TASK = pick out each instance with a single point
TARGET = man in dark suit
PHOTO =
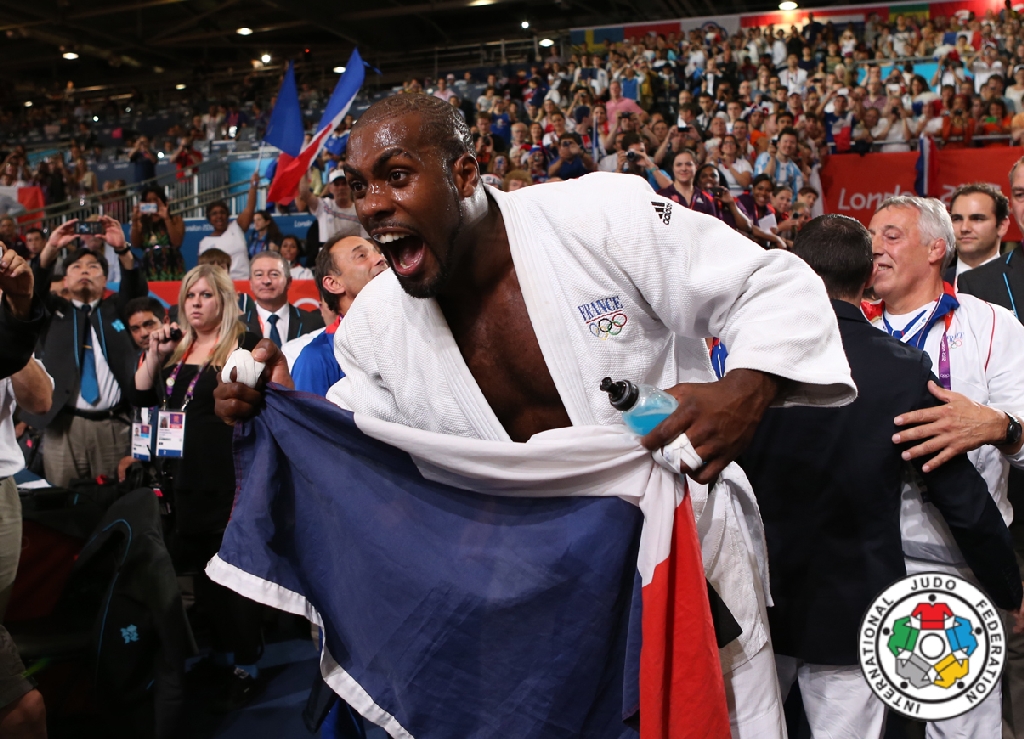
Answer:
(828, 482)
(272, 316)
(981, 217)
(88, 351)
(1001, 282)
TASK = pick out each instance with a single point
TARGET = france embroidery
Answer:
(604, 317)
(664, 211)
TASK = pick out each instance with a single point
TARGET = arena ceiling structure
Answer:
(146, 42)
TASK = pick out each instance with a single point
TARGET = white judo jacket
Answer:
(986, 363)
(617, 282)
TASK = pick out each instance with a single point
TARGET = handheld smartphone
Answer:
(718, 191)
(148, 208)
(89, 228)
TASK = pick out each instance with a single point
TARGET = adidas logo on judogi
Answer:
(664, 211)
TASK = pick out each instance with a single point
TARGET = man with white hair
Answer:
(977, 350)
(272, 316)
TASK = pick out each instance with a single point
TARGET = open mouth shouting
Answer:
(405, 250)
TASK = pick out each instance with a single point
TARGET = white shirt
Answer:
(110, 391)
(962, 266)
(300, 273)
(12, 460)
(986, 363)
(292, 349)
(232, 243)
(740, 165)
(794, 81)
(334, 219)
(282, 324)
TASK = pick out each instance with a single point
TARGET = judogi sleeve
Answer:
(704, 279)
(361, 389)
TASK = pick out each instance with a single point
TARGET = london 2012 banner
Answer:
(855, 185)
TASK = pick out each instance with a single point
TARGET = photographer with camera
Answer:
(958, 127)
(572, 161)
(485, 143)
(159, 235)
(633, 159)
(88, 351)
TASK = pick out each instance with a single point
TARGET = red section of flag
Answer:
(32, 199)
(679, 656)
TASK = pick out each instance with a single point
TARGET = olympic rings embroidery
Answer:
(606, 326)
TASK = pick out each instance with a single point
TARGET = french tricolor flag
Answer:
(291, 169)
(472, 588)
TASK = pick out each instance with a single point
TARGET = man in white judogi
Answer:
(503, 312)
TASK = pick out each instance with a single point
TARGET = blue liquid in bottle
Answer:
(643, 406)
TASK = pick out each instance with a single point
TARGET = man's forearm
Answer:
(32, 388)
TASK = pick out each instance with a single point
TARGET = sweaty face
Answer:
(141, 325)
(407, 200)
(267, 280)
(974, 223)
(902, 261)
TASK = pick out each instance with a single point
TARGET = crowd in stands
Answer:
(736, 127)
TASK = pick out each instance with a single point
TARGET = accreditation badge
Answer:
(170, 433)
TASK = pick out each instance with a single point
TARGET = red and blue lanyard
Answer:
(173, 378)
(943, 310)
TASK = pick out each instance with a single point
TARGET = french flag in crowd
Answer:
(927, 166)
(477, 588)
(290, 169)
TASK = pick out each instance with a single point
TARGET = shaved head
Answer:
(440, 123)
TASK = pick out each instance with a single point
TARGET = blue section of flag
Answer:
(344, 92)
(460, 614)
(337, 144)
(285, 129)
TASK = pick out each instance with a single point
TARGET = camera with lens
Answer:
(631, 157)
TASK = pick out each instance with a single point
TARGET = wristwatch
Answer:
(127, 247)
(1013, 431)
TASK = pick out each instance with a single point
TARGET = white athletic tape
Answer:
(676, 454)
(249, 370)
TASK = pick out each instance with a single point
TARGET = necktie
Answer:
(275, 335)
(90, 388)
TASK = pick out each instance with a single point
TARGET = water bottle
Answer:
(643, 406)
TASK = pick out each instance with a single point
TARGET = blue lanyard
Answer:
(1006, 281)
(900, 334)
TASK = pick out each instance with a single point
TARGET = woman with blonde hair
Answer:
(178, 375)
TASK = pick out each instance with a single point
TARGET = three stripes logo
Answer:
(664, 211)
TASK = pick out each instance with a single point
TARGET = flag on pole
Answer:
(291, 169)
(285, 130)
(479, 588)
